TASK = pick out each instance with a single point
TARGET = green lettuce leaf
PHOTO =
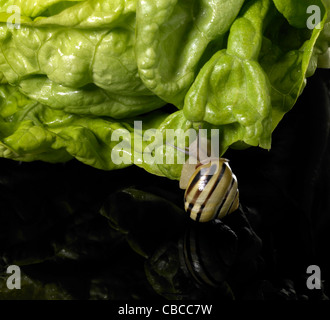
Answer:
(232, 88)
(31, 131)
(248, 87)
(173, 36)
(295, 11)
(84, 55)
(34, 8)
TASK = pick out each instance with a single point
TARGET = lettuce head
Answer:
(77, 75)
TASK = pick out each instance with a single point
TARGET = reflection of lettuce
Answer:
(75, 71)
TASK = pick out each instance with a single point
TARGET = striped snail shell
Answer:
(212, 191)
(211, 188)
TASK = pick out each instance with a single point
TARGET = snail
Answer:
(211, 188)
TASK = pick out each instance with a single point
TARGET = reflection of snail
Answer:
(206, 253)
(211, 187)
(196, 264)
